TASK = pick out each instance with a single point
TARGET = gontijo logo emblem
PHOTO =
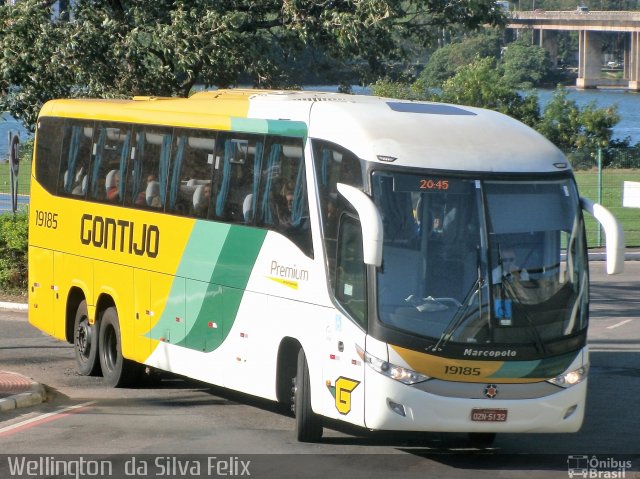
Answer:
(342, 393)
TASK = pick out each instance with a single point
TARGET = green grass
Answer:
(24, 177)
(612, 190)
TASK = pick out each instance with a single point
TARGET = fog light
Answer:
(397, 408)
(570, 411)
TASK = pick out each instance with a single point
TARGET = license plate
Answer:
(489, 415)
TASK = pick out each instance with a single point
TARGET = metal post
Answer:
(14, 163)
(599, 241)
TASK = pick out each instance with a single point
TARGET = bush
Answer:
(13, 251)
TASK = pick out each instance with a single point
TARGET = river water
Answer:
(628, 104)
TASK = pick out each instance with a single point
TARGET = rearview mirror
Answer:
(614, 236)
(372, 233)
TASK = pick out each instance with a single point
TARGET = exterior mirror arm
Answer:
(370, 220)
(614, 236)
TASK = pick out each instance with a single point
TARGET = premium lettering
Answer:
(289, 272)
(120, 235)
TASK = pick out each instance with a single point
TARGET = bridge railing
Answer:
(591, 16)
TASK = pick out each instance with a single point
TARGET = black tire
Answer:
(308, 424)
(85, 342)
(481, 439)
(116, 370)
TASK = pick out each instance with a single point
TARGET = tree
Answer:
(525, 65)
(573, 129)
(444, 62)
(165, 47)
(481, 84)
(578, 132)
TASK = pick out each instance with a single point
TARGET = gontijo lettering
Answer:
(120, 235)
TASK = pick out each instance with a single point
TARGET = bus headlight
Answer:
(571, 378)
(404, 375)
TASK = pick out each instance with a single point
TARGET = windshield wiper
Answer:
(462, 314)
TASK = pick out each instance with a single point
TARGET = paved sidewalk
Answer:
(18, 391)
(9, 306)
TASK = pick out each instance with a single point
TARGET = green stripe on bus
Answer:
(296, 129)
(210, 301)
(539, 368)
(552, 367)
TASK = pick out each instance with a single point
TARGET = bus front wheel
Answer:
(85, 342)
(308, 424)
(116, 370)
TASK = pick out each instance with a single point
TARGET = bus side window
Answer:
(282, 204)
(75, 158)
(334, 164)
(236, 159)
(112, 143)
(350, 282)
(148, 176)
(192, 163)
(48, 145)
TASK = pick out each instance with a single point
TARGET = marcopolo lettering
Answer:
(120, 235)
(479, 353)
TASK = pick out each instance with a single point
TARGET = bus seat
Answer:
(247, 207)
(110, 181)
(153, 194)
(81, 187)
(196, 182)
(65, 180)
(198, 195)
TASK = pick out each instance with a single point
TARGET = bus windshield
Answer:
(477, 261)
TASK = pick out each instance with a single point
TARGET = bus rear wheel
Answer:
(308, 424)
(117, 371)
(85, 342)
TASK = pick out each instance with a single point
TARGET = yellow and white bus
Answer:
(407, 266)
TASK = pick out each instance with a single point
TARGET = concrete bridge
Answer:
(591, 26)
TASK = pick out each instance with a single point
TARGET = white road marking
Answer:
(44, 418)
(617, 325)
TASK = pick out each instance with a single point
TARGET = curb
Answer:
(13, 306)
(35, 394)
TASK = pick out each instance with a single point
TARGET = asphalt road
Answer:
(160, 422)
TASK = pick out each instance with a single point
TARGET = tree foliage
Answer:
(578, 131)
(525, 65)
(444, 62)
(165, 47)
(572, 128)
(13, 251)
(481, 84)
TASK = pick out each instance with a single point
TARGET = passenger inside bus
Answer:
(112, 184)
(153, 195)
(201, 199)
(508, 267)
